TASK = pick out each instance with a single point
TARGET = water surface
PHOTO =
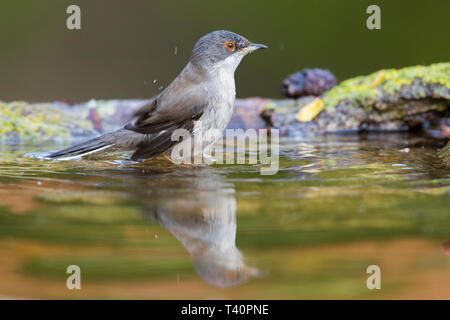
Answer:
(153, 230)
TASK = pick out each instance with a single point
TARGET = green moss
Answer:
(359, 90)
(22, 120)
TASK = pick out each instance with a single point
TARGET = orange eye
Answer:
(230, 46)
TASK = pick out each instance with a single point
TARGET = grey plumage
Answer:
(201, 97)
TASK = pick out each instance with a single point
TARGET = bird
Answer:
(199, 99)
(204, 222)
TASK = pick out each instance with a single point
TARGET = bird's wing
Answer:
(169, 109)
(163, 114)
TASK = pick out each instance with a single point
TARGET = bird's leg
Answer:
(168, 159)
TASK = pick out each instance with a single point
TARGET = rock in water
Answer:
(308, 82)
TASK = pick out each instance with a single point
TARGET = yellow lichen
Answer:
(381, 76)
(363, 90)
(310, 111)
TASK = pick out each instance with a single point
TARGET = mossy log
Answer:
(20, 121)
(386, 100)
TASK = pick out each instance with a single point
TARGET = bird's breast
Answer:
(223, 94)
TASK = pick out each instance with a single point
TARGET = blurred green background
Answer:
(124, 45)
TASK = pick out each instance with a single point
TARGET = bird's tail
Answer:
(106, 141)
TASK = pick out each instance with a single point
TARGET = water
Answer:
(153, 230)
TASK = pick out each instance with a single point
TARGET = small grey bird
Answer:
(201, 97)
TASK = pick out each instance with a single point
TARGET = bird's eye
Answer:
(230, 46)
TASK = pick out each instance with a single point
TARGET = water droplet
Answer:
(176, 50)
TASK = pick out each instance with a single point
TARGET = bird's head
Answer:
(224, 49)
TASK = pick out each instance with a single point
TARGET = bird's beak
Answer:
(253, 47)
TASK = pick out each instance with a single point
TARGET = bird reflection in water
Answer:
(200, 211)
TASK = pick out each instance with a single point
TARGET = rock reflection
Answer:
(201, 214)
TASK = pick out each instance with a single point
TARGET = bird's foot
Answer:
(168, 159)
